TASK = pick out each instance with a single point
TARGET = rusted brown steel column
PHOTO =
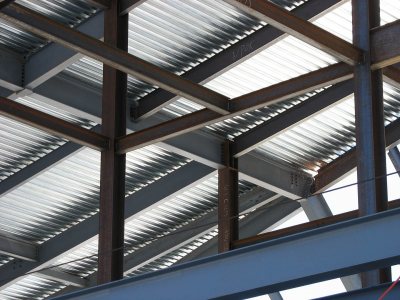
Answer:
(228, 190)
(370, 132)
(112, 173)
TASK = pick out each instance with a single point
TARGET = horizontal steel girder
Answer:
(18, 249)
(330, 252)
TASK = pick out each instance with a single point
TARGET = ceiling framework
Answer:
(185, 135)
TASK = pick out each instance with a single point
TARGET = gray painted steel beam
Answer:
(394, 156)
(16, 248)
(139, 202)
(100, 3)
(275, 296)
(128, 5)
(4, 92)
(38, 167)
(282, 180)
(11, 70)
(315, 207)
(54, 58)
(327, 253)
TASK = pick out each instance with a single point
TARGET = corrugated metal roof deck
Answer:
(21, 145)
(63, 202)
(283, 60)
(68, 192)
(159, 221)
(68, 12)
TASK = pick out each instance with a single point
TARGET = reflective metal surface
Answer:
(176, 35)
(21, 145)
(70, 13)
(153, 224)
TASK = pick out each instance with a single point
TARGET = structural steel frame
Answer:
(373, 54)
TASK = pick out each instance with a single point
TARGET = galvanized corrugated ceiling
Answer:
(21, 145)
(67, 193)
(157, 222)
(70, 13)
(285, 59)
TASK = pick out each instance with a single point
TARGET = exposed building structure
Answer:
(139, 136)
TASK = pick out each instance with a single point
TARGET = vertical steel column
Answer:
(370, 133)
(112, 173)
(228, 190)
